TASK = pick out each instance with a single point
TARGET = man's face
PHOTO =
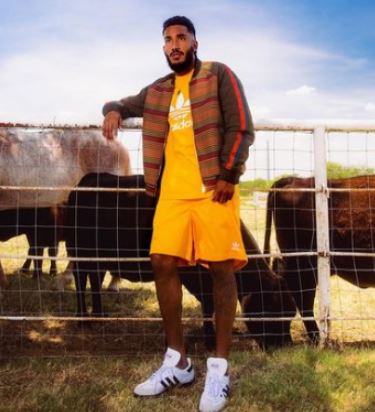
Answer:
(179, 48)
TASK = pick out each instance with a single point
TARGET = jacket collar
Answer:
(198, 65)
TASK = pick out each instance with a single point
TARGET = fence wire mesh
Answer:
(38, 308)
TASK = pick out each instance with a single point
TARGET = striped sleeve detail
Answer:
(203, 102)
(154, 139)
(201, 80)
(162, 89)
(207, 156)
(240, 107)
(156, 112)
(206, 127)
(150, 165)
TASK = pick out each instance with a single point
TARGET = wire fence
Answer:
(320, 227)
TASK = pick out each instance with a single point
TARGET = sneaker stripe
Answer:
(170, 382)
(190, 368)
(176, 381)
(226, 391)
(166, 386)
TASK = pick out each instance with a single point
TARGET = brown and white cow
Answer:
(32, 157)
(53, 158)
(351, 229)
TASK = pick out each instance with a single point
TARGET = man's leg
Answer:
(169, 292)
(225, 301)
(176, 369)
(216, 388)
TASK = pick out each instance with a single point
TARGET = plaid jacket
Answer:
(223, 128)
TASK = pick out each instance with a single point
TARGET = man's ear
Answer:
(195, 45)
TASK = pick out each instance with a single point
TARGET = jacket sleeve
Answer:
(238, 126)
(131, 106)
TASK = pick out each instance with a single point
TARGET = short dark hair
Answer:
(181, 21)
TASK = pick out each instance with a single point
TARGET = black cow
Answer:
(351, 229)
(42, 227)
(119, 224)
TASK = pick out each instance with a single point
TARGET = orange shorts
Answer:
(199, 231)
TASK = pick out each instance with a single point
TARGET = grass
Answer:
(293, 379)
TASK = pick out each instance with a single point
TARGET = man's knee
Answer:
(222, 271)
(163, 265)
(223, 276)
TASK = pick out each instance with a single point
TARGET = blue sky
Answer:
(297, 59)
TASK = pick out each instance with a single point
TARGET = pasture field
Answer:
(54, 365)
(294, 379)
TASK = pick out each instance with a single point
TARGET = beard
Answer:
(185, 65)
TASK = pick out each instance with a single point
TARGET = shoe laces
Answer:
(215, 385)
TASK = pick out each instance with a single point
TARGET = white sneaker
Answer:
(167, 376)
(216, 387)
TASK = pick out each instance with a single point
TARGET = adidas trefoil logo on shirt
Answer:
(180, 114)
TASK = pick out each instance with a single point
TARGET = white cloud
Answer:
(370, 107)
(260, 112)
(70, 84)
(301, 91)
(67, 78)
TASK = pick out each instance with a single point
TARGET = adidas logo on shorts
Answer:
(235, 246)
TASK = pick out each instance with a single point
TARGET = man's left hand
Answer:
(223, 191)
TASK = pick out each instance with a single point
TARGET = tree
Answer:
(338, 171)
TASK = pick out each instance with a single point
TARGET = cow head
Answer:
(271, 300)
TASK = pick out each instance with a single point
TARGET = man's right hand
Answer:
(111, 124)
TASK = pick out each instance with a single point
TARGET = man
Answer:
(197, 130)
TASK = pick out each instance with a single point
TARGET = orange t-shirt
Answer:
(181, 176)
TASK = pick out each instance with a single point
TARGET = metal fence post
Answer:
(322, 231)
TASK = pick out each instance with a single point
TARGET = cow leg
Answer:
(114, 285)
(96, 280)
(65, 278)
(302, 282)
(3, 278)
(37, 251)
(27, 264)
(281, 302)
(305, 303)
(80, 278)
(52, 252)
(33, 251)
